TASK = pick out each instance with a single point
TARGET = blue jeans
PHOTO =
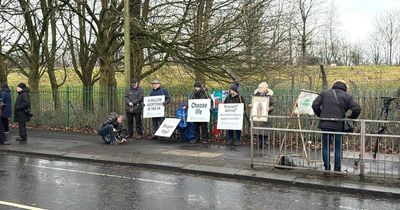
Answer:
(326, 141)
(230, 136)
(107, 132)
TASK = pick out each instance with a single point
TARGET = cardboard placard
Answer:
(167, 127)
(260, 108)
(153, 106)
(230, 116)
(199, 110)
(303, 105)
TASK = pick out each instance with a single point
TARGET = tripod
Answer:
(382, 128)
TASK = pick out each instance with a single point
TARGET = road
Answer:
(38, 183)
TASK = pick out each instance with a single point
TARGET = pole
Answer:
(251, 142)
(127, 44)
(362, 163)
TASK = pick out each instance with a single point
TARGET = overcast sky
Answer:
(357, 16)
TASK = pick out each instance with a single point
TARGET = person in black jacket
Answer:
(133, 102)
(108, 128)
(3, 138)
(157, 90)
(326, 105)
(22, 111)
(200, 93)
(5, 97)
(264, 91)
(234, 97)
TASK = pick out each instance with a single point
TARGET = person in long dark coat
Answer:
(5, 97)
(22, 111)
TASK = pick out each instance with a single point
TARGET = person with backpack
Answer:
(334, 103)
(200, 93)
(264, 91)
(234, 97)
(5, 115)
(157, 90)
(133, 102)
(22, 111)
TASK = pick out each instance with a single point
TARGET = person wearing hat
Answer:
(200, 93)
(234, 97)
(334, 103)
(157, 90)
(22, 111)
(133, 105)
(5, 115)
(264, 91)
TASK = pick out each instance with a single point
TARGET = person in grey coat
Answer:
(334, 103)
(134, 105)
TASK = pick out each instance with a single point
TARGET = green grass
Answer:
(365, 77)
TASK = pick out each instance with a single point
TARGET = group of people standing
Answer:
(22, 112)
(134, 96)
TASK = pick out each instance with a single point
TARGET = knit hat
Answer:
(197, 84)
(156, 82)
(134, 81)
(235, 88)
(21, 85)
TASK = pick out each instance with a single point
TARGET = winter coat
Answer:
(134, 95)
(202, 94)
(269, 93)
(160, 92)
(5, 96)
(325, 106)
(22, 107)
(111, 120)
(235, 99)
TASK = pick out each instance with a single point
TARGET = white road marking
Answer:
(190, 153)
(20, 206)
(100, 174)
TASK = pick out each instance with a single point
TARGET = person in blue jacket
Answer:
(5, 97)
(157, 90)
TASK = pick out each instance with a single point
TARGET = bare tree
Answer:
(388, 27)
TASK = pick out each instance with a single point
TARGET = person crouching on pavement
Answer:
(109, 127)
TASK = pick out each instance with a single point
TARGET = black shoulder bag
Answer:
(348, 124)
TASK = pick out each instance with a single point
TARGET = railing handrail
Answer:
(332, 119)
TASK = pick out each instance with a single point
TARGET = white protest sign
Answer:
(260, 108)
(153, 106)
(199, 110)
(230, 116)
(303, 105)
(168, 127)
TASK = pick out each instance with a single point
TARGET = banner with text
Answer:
(153, 106)
(199, 110)
(230, 116)
(167, 127)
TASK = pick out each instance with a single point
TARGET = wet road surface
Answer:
(58, 184)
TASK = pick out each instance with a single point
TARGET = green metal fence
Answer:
(86, 108)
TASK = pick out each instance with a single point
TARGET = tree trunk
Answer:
(324, 77)
(3, 69)
(137, 38)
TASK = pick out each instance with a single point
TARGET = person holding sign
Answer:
(200, 93)
(234, 97)
(157, 90)
(263, 91)
(133, 102)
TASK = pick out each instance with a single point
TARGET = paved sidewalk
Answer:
(219, 160)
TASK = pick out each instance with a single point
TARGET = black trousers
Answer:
(22, 130)
(157, 121)
(2, 134)
(203, 126)
(6, 124)
(137, 117)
